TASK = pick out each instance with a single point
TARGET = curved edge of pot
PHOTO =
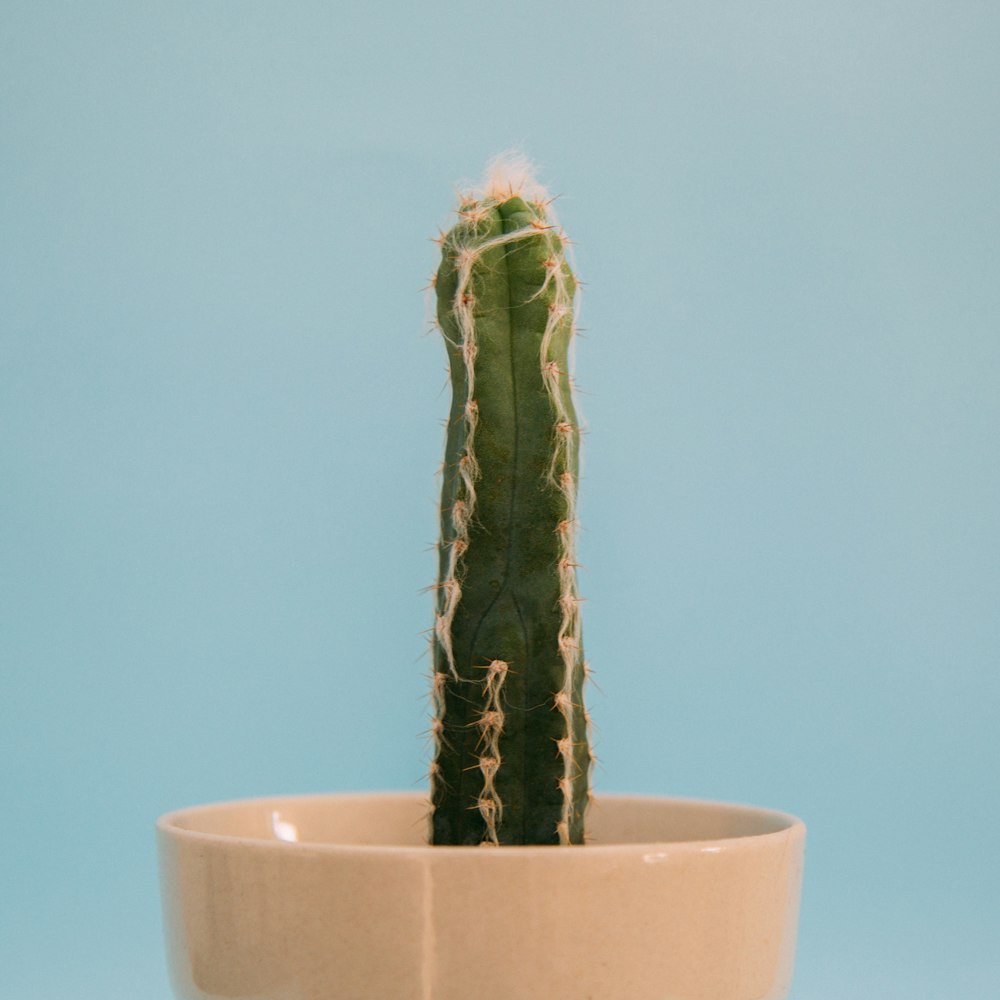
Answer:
(339, 897)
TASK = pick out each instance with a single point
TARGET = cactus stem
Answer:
(463, 303)
(524, 297)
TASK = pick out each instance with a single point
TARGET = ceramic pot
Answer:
(339, 897)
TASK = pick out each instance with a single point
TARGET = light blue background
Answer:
(219, 429)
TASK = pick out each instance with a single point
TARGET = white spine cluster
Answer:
(438, 682)
(566, 438)
(490, 725)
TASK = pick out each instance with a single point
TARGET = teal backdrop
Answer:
(219, 430)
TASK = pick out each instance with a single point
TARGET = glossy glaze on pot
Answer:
(339, 898)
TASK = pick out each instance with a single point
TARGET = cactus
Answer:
(512, 753)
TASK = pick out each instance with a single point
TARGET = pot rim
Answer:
(168, 825)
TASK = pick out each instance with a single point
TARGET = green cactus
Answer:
(512, 751)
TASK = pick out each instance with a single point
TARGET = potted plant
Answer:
(511, 884)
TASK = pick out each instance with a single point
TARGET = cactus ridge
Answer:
(512, 754)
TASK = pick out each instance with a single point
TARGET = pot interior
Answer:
(401, 820)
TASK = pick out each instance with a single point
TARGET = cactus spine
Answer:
(512, 754)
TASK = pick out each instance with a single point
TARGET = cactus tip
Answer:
(511, 173)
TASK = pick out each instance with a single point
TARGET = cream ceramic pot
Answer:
(339, 897)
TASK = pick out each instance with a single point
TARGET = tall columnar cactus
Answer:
(512, 754)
